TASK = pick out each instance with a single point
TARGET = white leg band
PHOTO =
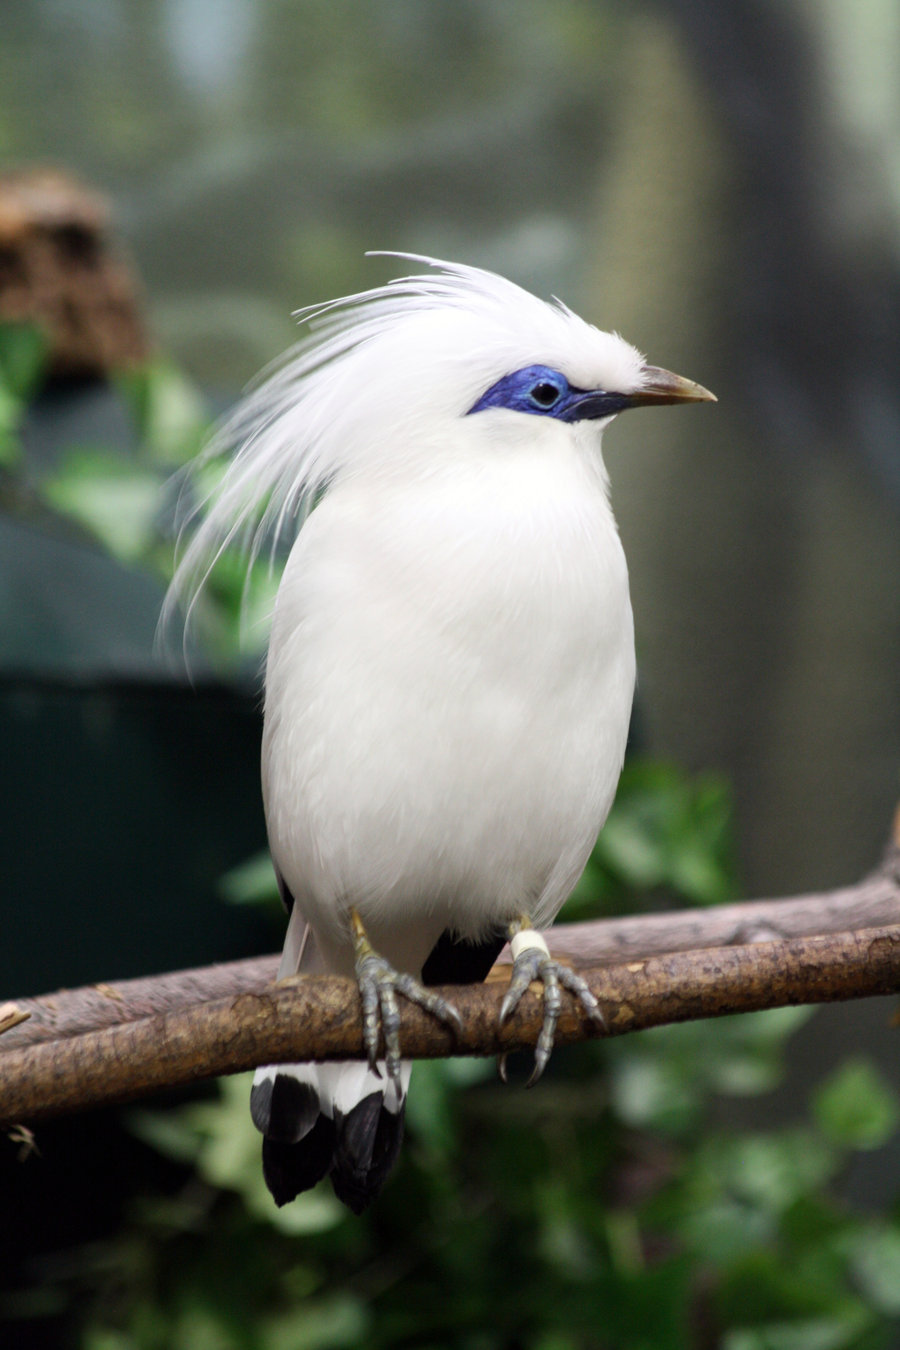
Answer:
(526, 938)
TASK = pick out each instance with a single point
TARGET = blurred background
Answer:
(719, 183)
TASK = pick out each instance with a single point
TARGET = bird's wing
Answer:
(300, 955)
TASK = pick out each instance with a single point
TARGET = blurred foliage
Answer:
(131, 503)
(607, 1210)
(667, 832)
(23, 357)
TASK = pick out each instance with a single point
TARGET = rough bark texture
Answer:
(873, 902)
(318, 1018)
(116, 1043)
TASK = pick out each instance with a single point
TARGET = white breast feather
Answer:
(448, 687)
(451, 664)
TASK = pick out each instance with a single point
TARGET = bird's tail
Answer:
(343, 1120)
(339, 1120)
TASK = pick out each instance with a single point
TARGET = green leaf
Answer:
(234, 606)
(856, 1107)
(815, 1333)
(430, 1110)
(11, 413)
(875, 1261)
(24, 351)
(96, 1338)
(665, 830)
(664, 1080)
(23, 359)
(170, 415)
(770, 1171)
(108, 496)
(251, 882)
(725, 1230)
(744, 1055)
(653, 1093)
(328, 1323)
(170, 1133)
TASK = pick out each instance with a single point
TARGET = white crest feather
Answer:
(363, 386)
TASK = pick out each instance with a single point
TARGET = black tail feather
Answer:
(368, 1142)
(284, 1108)
(289, 1168)
(358, 1148)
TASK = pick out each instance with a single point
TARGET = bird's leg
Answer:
(532, 961)
(379, 983)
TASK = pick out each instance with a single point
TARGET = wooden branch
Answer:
(317, 1017)
(11, 1015)
(872, 902)
(113, 1044)
(72, 1012)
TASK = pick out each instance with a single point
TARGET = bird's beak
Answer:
(661, 386)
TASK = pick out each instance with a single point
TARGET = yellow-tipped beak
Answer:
(661, 386)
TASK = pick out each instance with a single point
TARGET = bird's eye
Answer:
(544, 394)
(534, 389)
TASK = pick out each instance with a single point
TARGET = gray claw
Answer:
(390, 1028)
(367, 976)
(549, 974)
(579, 987)
(526, 968)
(424, 998)
(379, 983)
(530, 965)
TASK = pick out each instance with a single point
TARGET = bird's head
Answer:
(460, 341)
(383, 380)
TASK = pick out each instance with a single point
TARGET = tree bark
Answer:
(317, 1017)
(871, 903)
(114, 1043)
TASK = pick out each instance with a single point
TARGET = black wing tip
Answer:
(261, 1103)
(368, 1143)
(284, 1108)
(290, 1168)
(301, 1144)
(357, 1199)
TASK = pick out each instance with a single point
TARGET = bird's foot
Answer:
(379, 984)
(532, 961)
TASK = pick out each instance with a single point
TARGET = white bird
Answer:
(450, 669)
